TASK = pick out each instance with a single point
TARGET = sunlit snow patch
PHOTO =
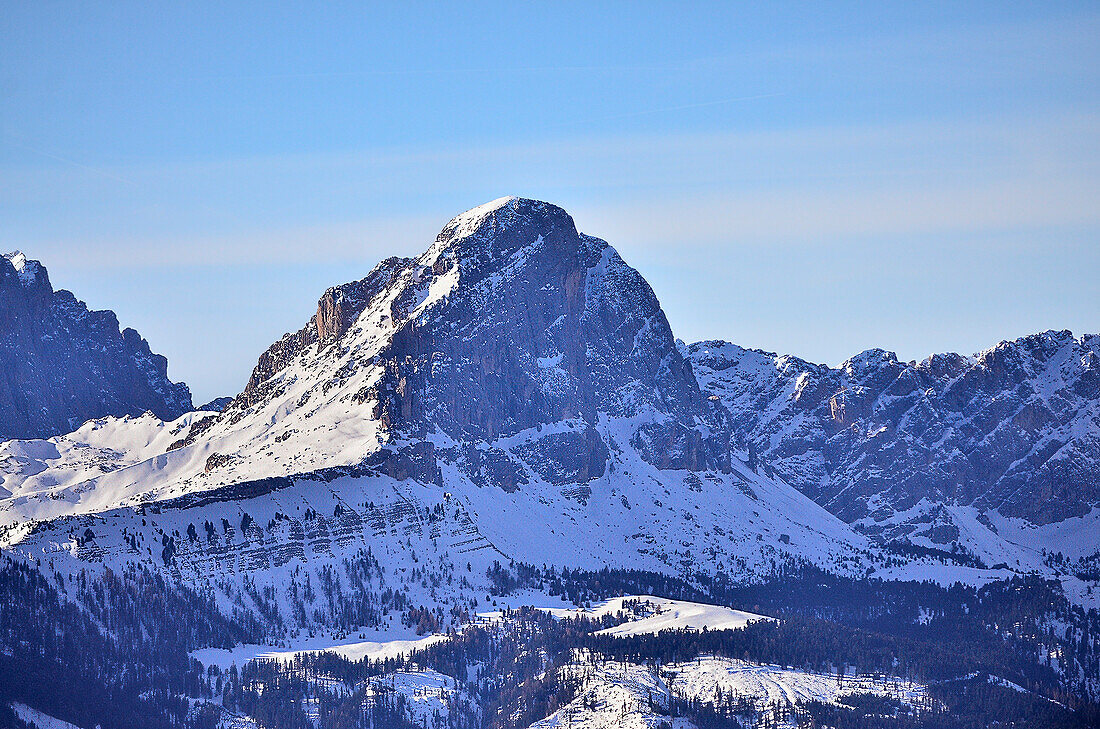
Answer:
(653, 614)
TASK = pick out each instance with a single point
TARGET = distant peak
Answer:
(216, 405)
(869, 358)
(17, 259)
(26, 268)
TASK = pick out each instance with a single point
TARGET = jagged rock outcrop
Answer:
(511, 321)
(541, 324)
(61, 364)
(1015, 428)
(337, 309)
(216, 405)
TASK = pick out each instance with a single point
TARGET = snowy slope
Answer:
(649, 614)
(634, 695)
(354, 650)
(437, 545)
(56, 464)
(38, 719)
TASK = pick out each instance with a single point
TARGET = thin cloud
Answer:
(679, 107)
(794, 186)
(21, 143)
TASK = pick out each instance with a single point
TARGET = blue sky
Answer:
(808, 178)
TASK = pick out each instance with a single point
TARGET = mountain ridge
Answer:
(518, 374)
(1026, 409)
(63, 364)
(507, 420)
(519, 359)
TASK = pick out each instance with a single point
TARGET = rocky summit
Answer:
(62, 364)
(510, 321)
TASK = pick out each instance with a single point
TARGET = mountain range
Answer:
(519, 355)
(515, 398)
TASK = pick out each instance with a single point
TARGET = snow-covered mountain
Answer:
(954, 450)
(515, 391)
(524, 371)
(61, 364)
(523, 374)
(510, 321)
(490, 425)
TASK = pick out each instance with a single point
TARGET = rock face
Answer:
(539, 324)
(61, 364)
(1014, 429)
(511, 321)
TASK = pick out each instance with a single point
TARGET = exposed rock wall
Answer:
(1015, 428)
(62, 364)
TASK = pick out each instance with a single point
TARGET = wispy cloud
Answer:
(749, 188)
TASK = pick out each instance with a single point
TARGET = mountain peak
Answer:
(25, 268)
(502, 228)
(66, 364)
(503, 211)
(475, 215)
(511, 322)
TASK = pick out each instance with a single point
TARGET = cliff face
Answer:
(1015, 428)
(61, 364)
(533, 323)
(510, 321)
